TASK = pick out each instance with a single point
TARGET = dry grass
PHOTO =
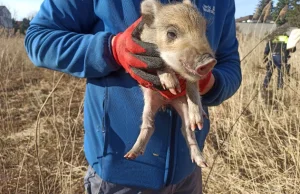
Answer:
(283, 12)
(261, 154)
(58, 130)
(267, 11)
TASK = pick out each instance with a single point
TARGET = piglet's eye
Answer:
(171, 35)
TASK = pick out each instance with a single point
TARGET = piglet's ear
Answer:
(149, 9)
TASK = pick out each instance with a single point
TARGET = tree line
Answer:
(20, 26)
(285, 11)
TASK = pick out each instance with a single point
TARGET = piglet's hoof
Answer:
(131, 155)
(197, 157)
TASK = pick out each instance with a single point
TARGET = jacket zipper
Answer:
(172, 163)
(104, 127)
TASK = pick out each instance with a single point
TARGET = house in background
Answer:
(5, 18)
(245, 19)
(249, 26)
(250, 19)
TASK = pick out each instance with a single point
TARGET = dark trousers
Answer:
(271, 65)
(95, 185)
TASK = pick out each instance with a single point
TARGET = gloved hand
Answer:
(140, 59)
(203, 83)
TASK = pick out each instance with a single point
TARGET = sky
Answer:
(22, 8)
(26, 8)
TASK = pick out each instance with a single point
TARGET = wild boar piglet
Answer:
(179, 31)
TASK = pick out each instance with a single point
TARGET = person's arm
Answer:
(227, 72)
(59, 39)
(267, 49)
(266, 52)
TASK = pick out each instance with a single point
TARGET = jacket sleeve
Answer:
(60, 38)
(227, 71)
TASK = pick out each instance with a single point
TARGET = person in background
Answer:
(276, 55)
(75, 37)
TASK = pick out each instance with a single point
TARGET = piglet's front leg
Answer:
(195, 108)
(169, 80)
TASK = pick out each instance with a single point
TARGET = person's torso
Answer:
(114, 105)
(278, 46)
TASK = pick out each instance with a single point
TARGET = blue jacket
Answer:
(73, 36)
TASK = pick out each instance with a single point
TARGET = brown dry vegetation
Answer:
(29, 116)
(262, 153)
(42, 109)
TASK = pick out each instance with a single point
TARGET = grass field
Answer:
(42, 110)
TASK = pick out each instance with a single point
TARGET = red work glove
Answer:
(202, 85)
(140, 59)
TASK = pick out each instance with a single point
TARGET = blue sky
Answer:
(25, 8)
(22, 8)
(246, 7)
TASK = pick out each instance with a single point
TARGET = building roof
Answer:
(245, 18)
(5, 21)
(250, 17)
(3, 7)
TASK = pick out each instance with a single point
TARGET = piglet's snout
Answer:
(205, 63)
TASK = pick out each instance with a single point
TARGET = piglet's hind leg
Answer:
(152, 103)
